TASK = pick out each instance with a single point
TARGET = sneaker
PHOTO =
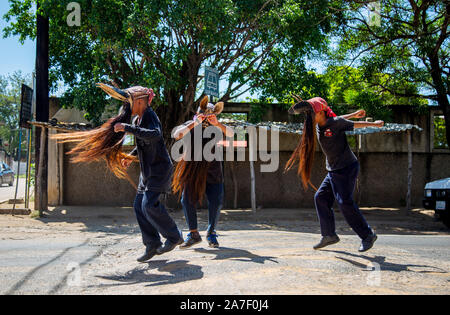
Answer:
(191, 239)
(149, 253)
(327, 241)
(367, 243)
(212, 240)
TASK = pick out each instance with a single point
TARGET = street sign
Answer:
(26, 106)
(211, 82)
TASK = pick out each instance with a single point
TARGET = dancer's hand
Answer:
(360, 113)
(119, 127)
(126, 162)
(200, 119)
(213, 120)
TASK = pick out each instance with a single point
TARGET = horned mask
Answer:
(128, 95)
(207, 109)
(314, 105)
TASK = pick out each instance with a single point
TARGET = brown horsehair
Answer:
(101, 143)
(304, 152)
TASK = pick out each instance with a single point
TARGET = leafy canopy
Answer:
(164, 44)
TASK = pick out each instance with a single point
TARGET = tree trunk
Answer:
(42, 111)
(441, 91)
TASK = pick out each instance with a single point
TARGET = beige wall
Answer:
(383, 160)
(382, 182)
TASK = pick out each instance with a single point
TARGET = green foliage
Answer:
(404, 54)
(440, 141)
(10, 93)
(350, 89)
(164, 44)
(257, 111)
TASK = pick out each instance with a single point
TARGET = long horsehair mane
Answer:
(190, 176)
(101, 143)
(305, 151)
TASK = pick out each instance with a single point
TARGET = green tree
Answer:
(165, 44)
(401, 46)
(10, 93)
(349, 89)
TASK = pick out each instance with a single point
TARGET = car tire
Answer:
(11, 184)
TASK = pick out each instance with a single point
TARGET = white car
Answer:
(437, 197)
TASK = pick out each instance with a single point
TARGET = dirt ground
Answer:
(84, 250)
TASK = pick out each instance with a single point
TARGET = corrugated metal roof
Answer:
(298, 127)
(63, 126)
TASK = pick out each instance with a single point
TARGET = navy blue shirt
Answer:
(333, 141)
(155, 163)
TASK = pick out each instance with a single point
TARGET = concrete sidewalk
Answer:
(77, 250)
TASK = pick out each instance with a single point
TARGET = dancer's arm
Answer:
(227, 131)
(183, 130)
(362, 124)
(358, 114)
(142, 133)
(139, 132)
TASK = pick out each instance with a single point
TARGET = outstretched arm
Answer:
(362, 124)
(183, 130)
(227, 131)
(358, 114)
(139, 132)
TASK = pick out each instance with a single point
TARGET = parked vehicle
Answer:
(437, 198)
(6, 174)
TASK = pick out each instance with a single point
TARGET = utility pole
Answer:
(42, 112)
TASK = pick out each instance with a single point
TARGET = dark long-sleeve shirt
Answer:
(155, 163)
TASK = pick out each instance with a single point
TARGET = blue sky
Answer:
(13, 55)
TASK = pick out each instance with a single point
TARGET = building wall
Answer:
(382, 181)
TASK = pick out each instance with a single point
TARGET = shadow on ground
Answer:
(122, 220)
(383, 264)
(225, 253)
(179, 271)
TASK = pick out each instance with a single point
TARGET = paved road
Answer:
(7, 192)
(79, 251)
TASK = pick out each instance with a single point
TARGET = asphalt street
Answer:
(7, 192)
(87, 251)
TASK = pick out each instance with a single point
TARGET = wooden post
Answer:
(235, 184)
(252, 157)
(253, 185)
(42, 110)
(409, 178)
(358, 180)
(39, 176)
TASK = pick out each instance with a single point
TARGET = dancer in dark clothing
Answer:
(342, 166)
(195, 179)
(156, 171)
(106, 143)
